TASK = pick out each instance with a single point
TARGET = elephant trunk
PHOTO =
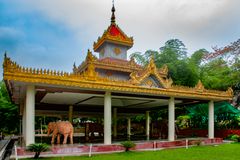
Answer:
(49, 131)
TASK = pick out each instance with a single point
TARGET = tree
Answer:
(230, 55)
(197, 57)
(8, 112)
(235, 73)
(217, 75)
(176, 46)
(183, 73)
(230, 52)
(182, 70)
(143, 58)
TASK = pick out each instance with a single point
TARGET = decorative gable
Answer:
(151, 82)
(115, 31)
(113, 35)
(151, 76)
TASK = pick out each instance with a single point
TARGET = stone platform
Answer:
(78, 149)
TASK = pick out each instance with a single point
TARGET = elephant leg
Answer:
(65, 138)
(71, 138)
(53, 137)
(58, 139)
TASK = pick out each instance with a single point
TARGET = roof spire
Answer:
(113, 15)
(5, 54)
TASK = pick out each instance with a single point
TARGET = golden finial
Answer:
(164, 69)
(230, 91)
(113, 15)
(90, 56)
(74, 65)
(5, 55)
(132, 61)
(199, 86)
(151, 65)
(74, 68)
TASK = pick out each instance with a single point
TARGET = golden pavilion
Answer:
(108, 87)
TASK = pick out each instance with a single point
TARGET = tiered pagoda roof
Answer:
(113, 34)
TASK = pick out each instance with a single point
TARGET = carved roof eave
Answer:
(106, 66)
(91, 80)
(102, 40)
(78, 81)
(128, 66)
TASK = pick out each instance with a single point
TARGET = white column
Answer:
(107, 118)
(30, 115)
(147, 124)
(70, 114)
(129, 128)
(115, 122)
(171, 119)
(211, 119)
(24, 124)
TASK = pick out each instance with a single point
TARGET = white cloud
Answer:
(198, 23)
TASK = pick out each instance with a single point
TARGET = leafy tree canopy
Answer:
(183, 70)
(8, 112)
(176, 46)
(187, 70)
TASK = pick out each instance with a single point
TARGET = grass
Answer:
(221, 152)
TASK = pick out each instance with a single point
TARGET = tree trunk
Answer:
(36, 155)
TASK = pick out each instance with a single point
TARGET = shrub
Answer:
(235, 138)
(229, 136)
(183, 122)
(127, 145)
(38, 148)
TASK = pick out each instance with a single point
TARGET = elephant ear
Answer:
(51, 125)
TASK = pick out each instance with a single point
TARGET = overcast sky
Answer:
(56, 33)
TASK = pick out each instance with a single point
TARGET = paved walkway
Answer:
(3, 145)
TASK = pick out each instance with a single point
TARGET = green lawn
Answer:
(221, 152)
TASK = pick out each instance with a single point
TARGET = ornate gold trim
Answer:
(117, 50)
(151, 69)
(200, 86)
(125, 40)
(129, 66)
(91, 80)
(164, 70)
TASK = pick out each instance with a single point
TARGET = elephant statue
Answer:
(62, 127)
